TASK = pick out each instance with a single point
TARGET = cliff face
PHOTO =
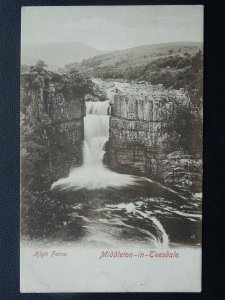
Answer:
(147, 139)
(52, 133)
(52, 128)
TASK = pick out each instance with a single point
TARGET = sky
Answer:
(112, 27)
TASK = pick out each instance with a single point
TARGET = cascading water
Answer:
(96, 133)
(93, 174)
(137, 209)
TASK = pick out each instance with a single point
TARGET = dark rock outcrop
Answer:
(52, 133)
(147, 138)
(52, 129)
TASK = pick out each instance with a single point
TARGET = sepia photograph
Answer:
(111, 126)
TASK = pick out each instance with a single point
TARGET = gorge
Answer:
(100, 171)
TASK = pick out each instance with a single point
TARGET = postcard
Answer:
(111, 148)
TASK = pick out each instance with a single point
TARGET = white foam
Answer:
(93, 174)
(92, 178)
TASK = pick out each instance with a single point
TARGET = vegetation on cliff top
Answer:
(173, 65)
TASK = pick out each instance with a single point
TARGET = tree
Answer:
(40, 67)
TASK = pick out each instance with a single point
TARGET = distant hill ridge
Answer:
(142, 54)
(56, 55)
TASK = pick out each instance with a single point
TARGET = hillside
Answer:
(139, 56)
(56, 55)
(174, 65)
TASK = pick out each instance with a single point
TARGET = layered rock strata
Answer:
(143, 140)
(52, 129)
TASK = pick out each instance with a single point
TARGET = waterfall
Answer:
(93, 174)
(96, 132)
